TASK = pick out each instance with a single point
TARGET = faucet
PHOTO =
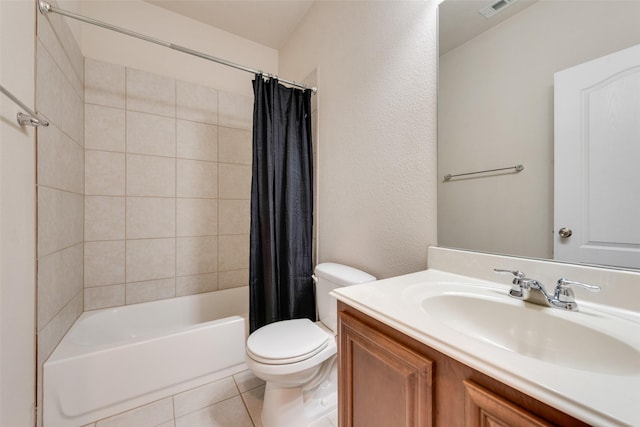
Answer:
(531, 290)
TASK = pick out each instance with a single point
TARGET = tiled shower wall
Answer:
(167, 187)
(60, 185)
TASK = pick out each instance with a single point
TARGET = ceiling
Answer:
(459, 20)
(268, 22)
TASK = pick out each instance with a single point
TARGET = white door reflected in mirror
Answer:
(597, 148)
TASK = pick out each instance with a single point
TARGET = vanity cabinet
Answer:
(387, 379)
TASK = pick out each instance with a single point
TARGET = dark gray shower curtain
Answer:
(280, 284)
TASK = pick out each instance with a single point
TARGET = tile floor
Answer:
(235, 401)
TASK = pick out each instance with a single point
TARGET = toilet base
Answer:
(295, 407)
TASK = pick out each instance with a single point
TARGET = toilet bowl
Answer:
(297, 358)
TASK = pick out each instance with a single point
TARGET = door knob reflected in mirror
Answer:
(565, 232)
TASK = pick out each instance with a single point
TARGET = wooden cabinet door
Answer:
(486, 409)
(382, 382)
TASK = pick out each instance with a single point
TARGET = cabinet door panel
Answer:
(486, 409)
(382, 382)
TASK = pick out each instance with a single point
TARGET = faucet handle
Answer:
(564, 293)
(518, 289)
(517, 273)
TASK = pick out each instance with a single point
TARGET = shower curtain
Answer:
(280, 284)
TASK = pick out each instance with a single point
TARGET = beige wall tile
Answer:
(196, 103)
(151, 134)
(104, 218)
(150, 259)
(51, 31)
(189, 285)
(104, 83)
(71, 48)
(104, 173)
(166, 197)
(48, 84)
(197, 217)
(71, 112)
(197, 179)
(233, 278)
(104, 263)
(233, 252)
(197, 141)
(235, 216)
(51, 334)
(60, 220)
(204, 396)
(234, 181)
(150, 176)
(149, 415)
(151, 93)
(234, 146)
(61, 178)
(60, 278)
(103, 297)
(60, 161)
(235, 111)
(149, 217)
(104, 128)
(196, 255)
(151, 290)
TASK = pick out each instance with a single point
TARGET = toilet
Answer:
(297, 358)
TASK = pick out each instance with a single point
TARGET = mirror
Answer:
(495, 110)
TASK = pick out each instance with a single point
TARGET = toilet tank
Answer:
(329, 276)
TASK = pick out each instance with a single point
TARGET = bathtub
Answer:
(116, 359)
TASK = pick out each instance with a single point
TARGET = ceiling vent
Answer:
(495, 7)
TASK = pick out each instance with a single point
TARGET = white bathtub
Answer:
(116, 359)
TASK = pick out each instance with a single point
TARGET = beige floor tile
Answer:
(333, 417)
(253, 401)
(245, 381)
(228, 413)
(206, 395)
(322, 422)
(153, 414)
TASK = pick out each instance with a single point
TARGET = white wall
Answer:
(496, 110)
(376, 66)
(153, 21)
(17, 218)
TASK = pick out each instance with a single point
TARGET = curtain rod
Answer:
(45, 8)
(30, 119)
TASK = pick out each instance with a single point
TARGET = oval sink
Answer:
(533, 331)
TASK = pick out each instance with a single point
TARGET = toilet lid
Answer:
(287, 341)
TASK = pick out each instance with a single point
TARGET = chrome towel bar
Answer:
(517, 168)
(31, 118)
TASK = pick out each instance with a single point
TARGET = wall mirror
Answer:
(496, 110)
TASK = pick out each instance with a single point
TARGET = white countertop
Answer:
(597, 397)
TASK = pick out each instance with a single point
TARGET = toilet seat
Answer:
(287, 341)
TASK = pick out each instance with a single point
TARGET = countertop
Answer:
(597, 397)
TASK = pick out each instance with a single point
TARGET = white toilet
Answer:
(297, 358)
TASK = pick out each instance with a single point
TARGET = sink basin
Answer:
(539, 332)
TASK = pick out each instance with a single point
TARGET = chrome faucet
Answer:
(533, 291)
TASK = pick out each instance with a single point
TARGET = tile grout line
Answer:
(126, 193)
(218, 193)
(175, 189)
